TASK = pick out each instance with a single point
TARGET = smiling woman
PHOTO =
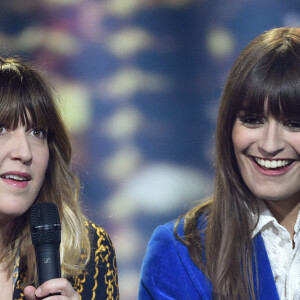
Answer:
(267, 151)
(35, 167)
(244, 241)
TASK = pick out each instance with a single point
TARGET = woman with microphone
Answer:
(35, 167)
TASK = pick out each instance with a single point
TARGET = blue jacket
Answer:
(169, 273)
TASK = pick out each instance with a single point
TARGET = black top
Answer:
(99, 281)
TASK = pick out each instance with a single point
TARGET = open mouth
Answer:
(273, 164)
(15, 177)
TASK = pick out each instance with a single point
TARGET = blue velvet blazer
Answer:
(169, 273)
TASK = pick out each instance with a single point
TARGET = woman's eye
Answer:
(3, 129)
(293, 124)
(37, 133)
(251, 120)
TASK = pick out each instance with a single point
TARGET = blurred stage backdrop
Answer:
(138, 82)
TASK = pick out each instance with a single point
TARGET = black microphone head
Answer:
(45, 224)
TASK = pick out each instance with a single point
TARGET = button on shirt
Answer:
(284, 259)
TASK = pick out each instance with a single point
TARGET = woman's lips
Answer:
(16, 179)
(273, 167)
(273, 164)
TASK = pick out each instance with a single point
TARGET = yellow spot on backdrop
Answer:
(75, 106)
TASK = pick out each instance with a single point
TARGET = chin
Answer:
(271, 198)
(270, 193)
(275, 197)
(13, 211)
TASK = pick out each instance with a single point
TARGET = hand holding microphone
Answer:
(46, 237)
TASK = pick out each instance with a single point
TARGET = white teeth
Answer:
(272, 164)
(15, 177)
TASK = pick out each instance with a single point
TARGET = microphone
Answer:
(45, 234)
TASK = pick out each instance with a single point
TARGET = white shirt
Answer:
(284, 259)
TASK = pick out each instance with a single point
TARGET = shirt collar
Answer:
(266, 218)
(297, 225)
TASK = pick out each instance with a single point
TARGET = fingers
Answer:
(57, 286)
(29, 292)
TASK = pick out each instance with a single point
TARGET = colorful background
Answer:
(138, 82)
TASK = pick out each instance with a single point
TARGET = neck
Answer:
(285, 212)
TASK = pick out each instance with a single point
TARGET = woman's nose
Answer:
(20, 147)
(272, 140)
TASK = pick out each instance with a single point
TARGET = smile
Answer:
(273, 164)
(15, 177)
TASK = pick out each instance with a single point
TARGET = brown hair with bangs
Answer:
(267, 71)
(25, 97)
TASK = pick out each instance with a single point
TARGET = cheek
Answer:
(46, 161)
(243, 139)
(295, 141)
(43, 160)
(238, 139)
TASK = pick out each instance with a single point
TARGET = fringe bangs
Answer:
(23, 98)
(277, 82)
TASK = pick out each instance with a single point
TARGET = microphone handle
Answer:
(48, 261)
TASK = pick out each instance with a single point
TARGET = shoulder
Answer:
(102, 249)
(162, 243)
(166, 232)
(100, 278)
(98, 236)
(167, 257)
(173, 232)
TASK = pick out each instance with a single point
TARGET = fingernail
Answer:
(38, 291)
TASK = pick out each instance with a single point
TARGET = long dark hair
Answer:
(267, 71)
